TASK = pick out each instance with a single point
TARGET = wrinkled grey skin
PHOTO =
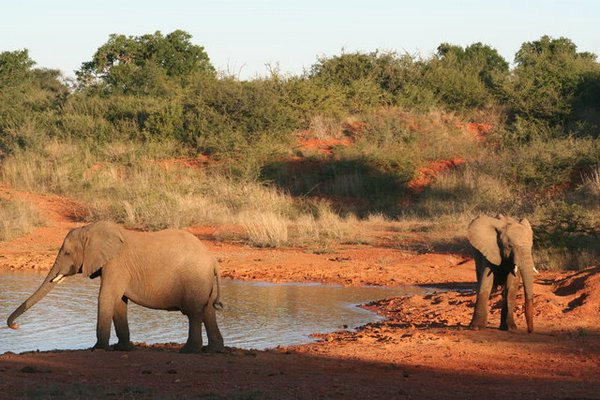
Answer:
(502, 251)
(168, 270)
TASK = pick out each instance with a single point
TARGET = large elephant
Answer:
(168, 270)
(502, 249)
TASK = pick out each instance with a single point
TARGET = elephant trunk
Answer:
(527, 268)
(51, 280)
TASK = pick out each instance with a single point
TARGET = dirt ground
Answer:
(421, 350)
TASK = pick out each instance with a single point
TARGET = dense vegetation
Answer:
(157, 97)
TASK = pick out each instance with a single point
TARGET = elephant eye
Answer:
(67, 253)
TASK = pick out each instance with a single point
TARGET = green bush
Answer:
(225, 116)
(312, 97)
(465, 78)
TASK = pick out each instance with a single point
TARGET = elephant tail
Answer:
(217, 301)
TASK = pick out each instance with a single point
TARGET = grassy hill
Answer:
(154, 140)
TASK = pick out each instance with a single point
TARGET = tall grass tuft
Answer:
(265, 229)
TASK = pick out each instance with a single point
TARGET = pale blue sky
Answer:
(242, 36)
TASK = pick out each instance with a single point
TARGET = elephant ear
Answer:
(101, 242)
(483, 235)
(526, 224)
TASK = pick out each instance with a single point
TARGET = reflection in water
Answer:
(256, 315)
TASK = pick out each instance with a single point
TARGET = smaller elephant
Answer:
(502, 249)
(166, 270)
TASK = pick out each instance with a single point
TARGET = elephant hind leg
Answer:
(194, 341)
(215, 339)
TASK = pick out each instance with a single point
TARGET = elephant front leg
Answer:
(107, 301)
(121, 326)
(105, 311)
(509, 294)
(485, 281)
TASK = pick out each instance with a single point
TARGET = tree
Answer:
(487, 58)
(28, 96)
(547, 78)
(14, 66)
(144, 64)
(466, 77)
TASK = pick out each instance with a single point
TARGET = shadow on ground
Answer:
(161, 373)
(356, 185)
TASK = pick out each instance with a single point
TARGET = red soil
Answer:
(307, 142)
(426, 175)
(421, 350)
(479, 130)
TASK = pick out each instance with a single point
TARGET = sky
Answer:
(244, 38)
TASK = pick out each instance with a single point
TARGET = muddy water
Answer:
(256, 315)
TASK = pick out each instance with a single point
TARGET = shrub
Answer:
(565, 225)
(567, 236)
(543, 164)
(28, 99)
(310, 97)
(221, 117)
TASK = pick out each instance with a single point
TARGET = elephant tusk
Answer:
(535, 270)
(515, 269)
(58, 279)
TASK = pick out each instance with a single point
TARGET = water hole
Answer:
(257, 315)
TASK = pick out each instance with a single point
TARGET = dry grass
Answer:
(121, 184)
(17, 218)
(590, 187)
(326, 228)
(325, 127)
